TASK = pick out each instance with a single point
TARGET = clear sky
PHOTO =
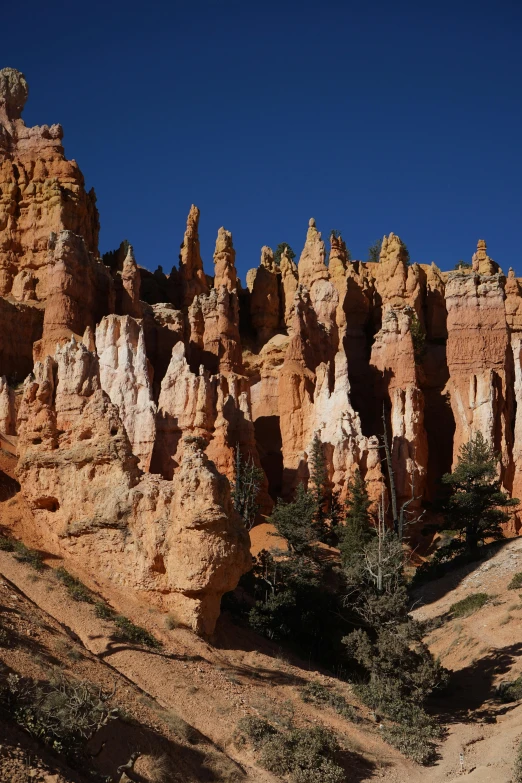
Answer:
(369, 116)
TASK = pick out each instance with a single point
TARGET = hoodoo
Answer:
(142, 387)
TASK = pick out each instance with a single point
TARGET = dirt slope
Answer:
(200, 689)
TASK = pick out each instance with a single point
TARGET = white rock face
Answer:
(124, 377)
(7, 408)
(337, 424)
(186, 406)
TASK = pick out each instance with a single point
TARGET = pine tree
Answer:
(245, 488)
(374, 251)
(296, 521)
(356, 532)
(319, 489)
(474, 508)
(280, 249)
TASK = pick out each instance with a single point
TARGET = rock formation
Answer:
(124, 375)
(177, 542)
(141, 386)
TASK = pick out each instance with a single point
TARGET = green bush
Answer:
(414, 742)
(302, 755)
(316, 693)
(30, 556)
(75, 588)
(472, 603)
(103, 611)
(134, 633)
(510, 691)
(6, 544)
(62, 713)
(516, 581)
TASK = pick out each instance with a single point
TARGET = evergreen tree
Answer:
(357, 530)
(245, 488)
(280, 249)
(319, 490)
(296, 602)
(374, 251)
(296, 522)
(474, 508)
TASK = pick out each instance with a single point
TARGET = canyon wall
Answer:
(141, 386)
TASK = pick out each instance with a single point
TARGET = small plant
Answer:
(134, 633)
(516, 581)
(170, 622)
(472, 603)
(103, 611)
(4, 637)
(315, 693)
(510, 691)
(30, 556)
(62, 713)
(75, 588)
(300, 755)
(6, 545)
(414, 742)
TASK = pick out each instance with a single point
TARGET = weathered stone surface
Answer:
(7, 408)
(131, 284)
(80, 292)
(193, 279)
(40, 192)
(482, 263)
(214, 331)
(21, 325)
(225, 261)
(481, 381)
(264, 283)
(394, 357)
(124, 375)
(179, 543)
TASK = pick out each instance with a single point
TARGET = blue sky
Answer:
(370, 116)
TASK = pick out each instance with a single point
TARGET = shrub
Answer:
(6, 545)
(103, 611)
(170, 622)
(304, 755)
(62, 713)
(30, 556)
(134, 633)
(75, 588)
(516, 581)
(472, 603)
(510, 691)
(414, 742)
(315, 693)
